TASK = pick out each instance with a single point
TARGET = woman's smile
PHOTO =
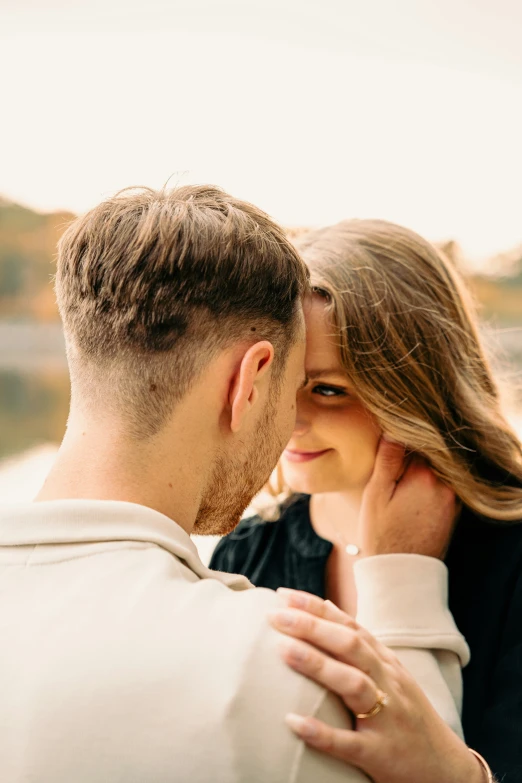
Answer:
(293, 455)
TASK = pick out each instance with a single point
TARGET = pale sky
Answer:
(315, 110)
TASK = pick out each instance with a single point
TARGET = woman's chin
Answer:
(299, 482)
(302, 480)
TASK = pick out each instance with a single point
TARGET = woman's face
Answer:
(333, 446)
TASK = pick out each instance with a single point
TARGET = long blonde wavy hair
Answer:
(409, 342)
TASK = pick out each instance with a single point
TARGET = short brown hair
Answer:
(151, 284)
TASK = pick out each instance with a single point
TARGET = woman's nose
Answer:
(302, 420)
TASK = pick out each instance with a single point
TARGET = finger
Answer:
(389, 465)
(358, 691)
(419, 471)
(345, 644)
(298, 599)
(421, 479)
(351, 746)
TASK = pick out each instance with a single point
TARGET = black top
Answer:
(485, 596)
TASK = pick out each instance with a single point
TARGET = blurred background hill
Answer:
(34, 389)
(28, 242)
(27, 251)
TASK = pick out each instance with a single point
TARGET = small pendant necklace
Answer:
(351, 549)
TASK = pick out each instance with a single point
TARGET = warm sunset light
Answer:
(260, 391)
(315, 111)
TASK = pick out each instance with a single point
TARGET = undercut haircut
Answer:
(152, 284)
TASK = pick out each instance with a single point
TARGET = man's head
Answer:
(153, 287)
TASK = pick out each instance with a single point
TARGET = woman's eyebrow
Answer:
(311, 374)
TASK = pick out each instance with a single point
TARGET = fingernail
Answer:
(301, 726)
(283, 619)
(295, 653)
(298, 600)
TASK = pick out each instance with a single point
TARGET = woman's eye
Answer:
(328, 391)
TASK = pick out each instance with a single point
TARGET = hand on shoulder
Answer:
(398, 737)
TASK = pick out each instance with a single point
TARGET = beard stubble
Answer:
(236, 481)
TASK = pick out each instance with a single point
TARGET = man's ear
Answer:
(244, 390)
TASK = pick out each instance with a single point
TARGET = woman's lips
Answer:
(303, 456)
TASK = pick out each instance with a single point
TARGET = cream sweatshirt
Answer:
(124, 659)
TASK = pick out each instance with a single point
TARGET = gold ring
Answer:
(382, 700)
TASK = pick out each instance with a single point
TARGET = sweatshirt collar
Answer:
(95, 521)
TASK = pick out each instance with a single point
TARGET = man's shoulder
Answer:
(175, 653)
(219, 664)
(227, 634)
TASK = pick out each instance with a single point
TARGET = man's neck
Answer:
(100, 462)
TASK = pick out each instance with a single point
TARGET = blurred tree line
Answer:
(27, 261)
(27, 264)
(33, 409)
(34, 402)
